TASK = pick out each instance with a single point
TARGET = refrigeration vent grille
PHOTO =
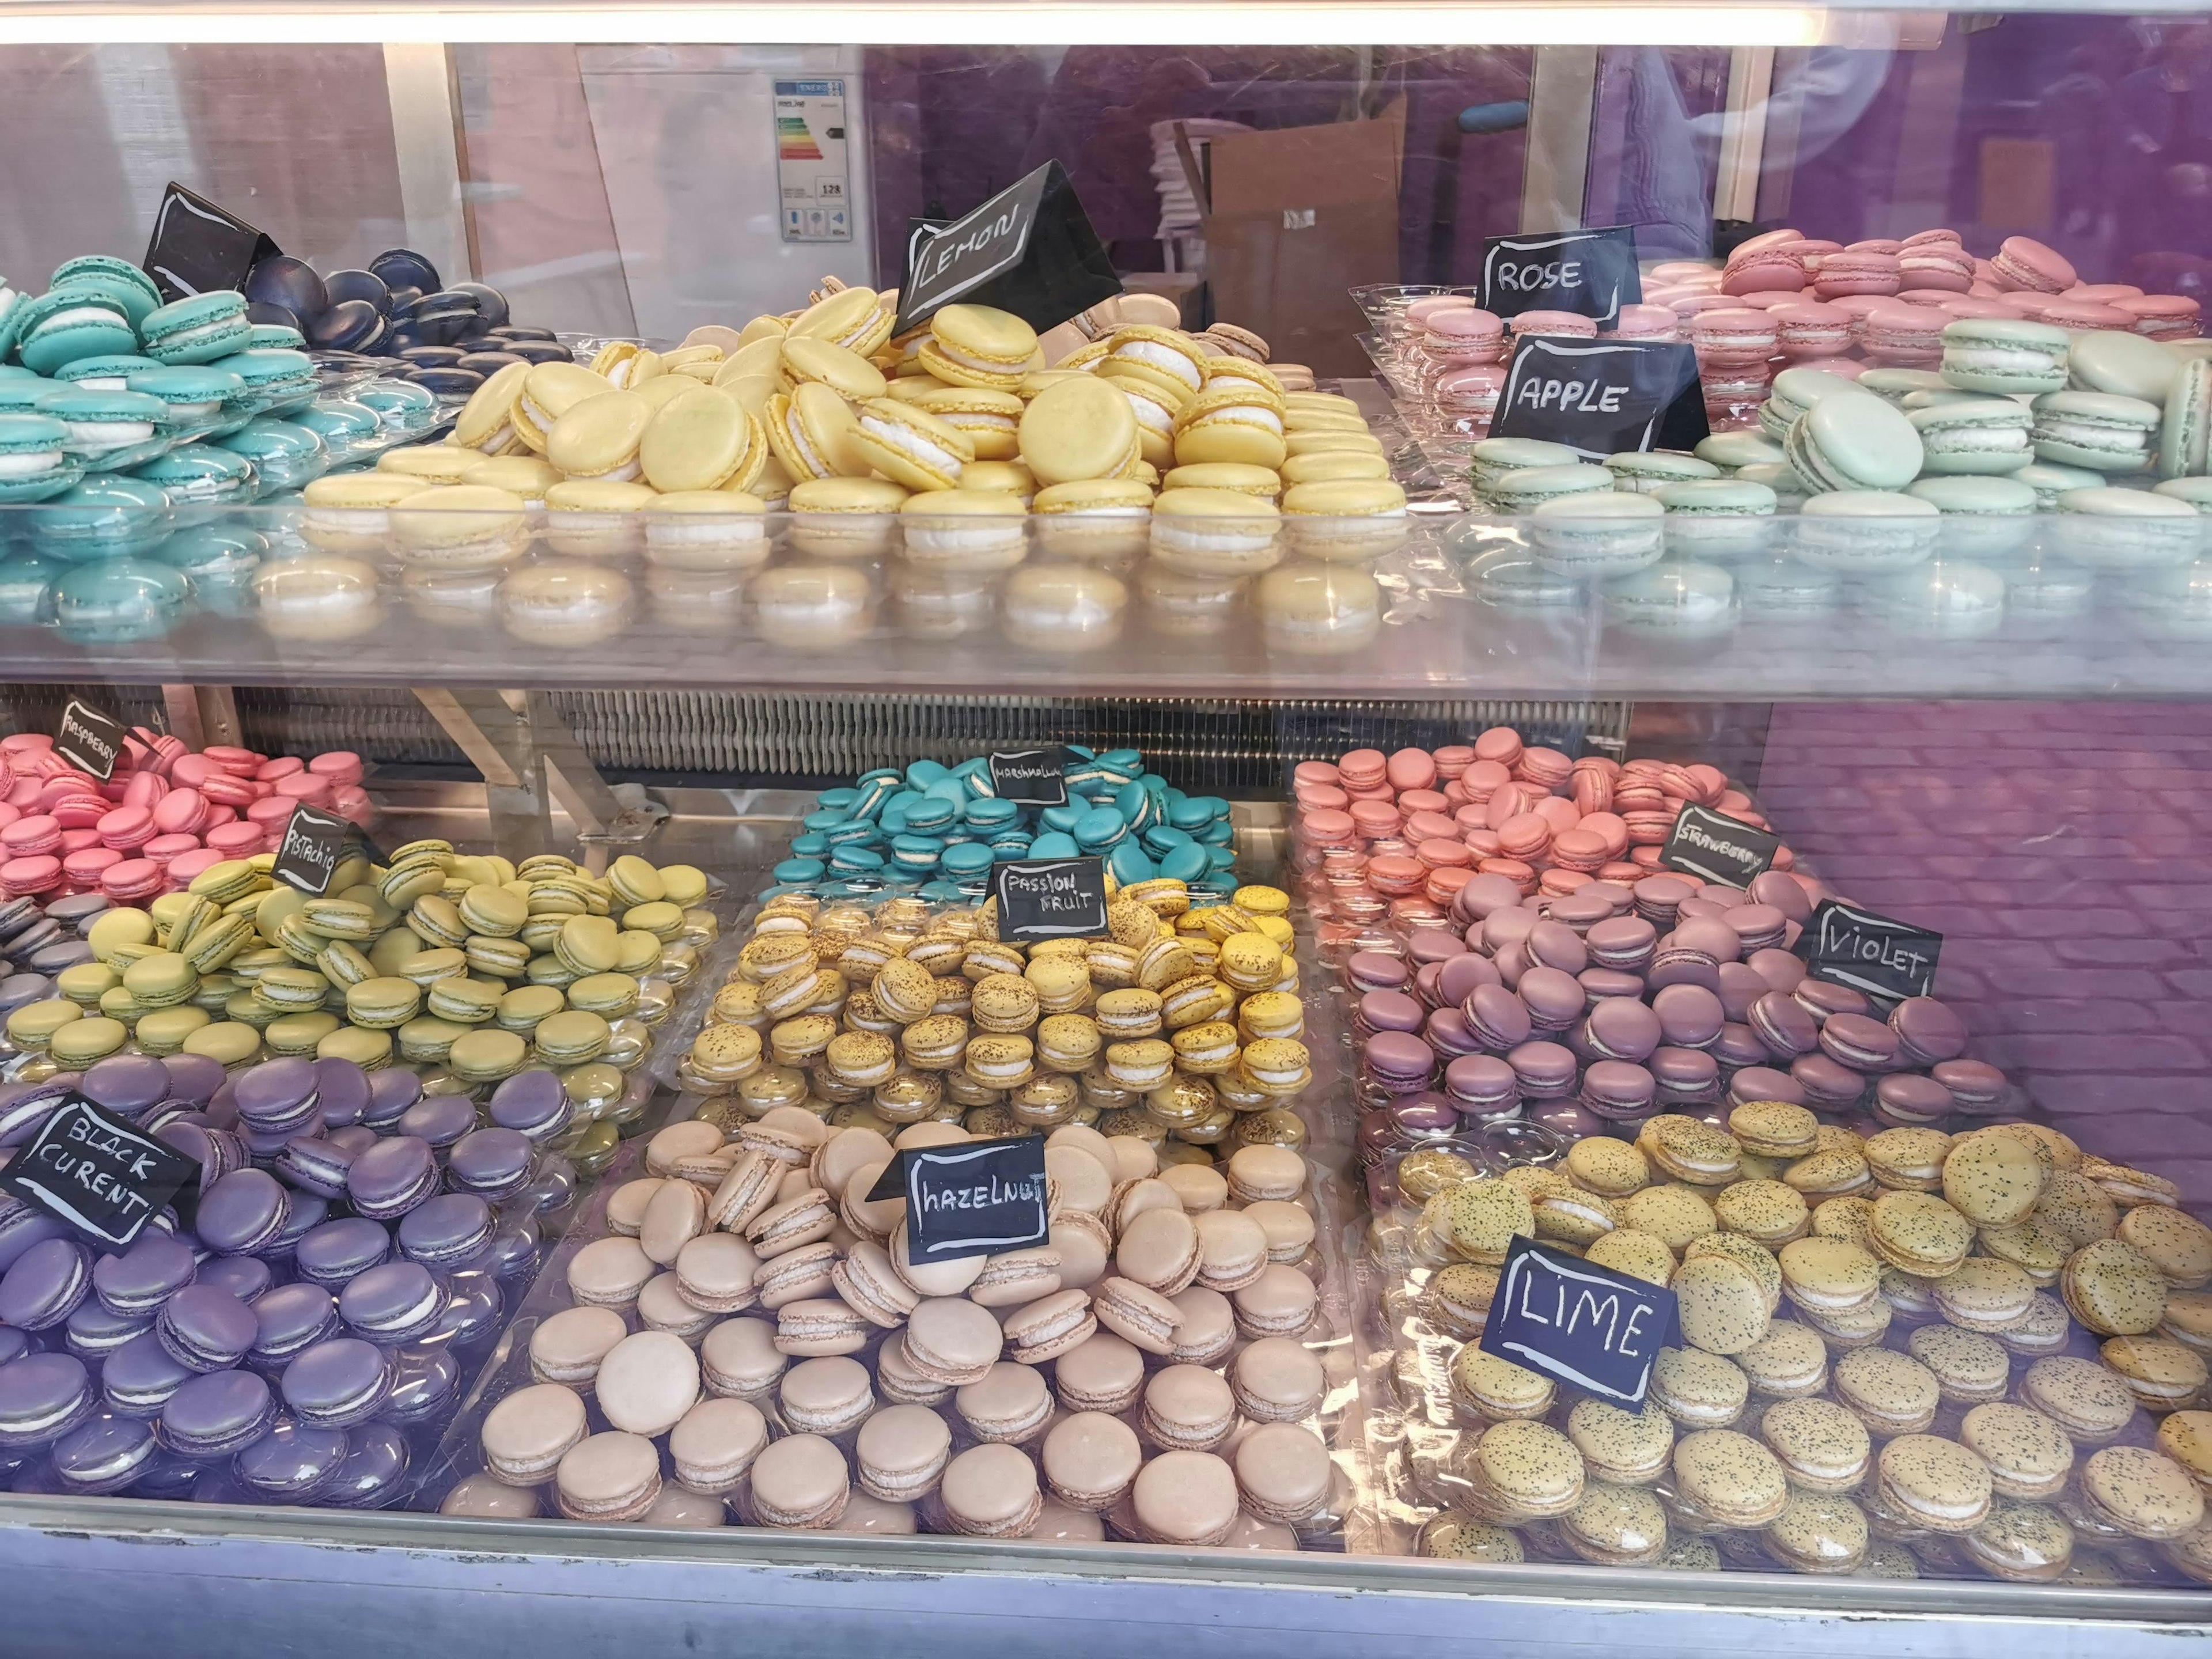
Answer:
(706, 736)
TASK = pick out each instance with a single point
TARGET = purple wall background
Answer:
(2064, 850)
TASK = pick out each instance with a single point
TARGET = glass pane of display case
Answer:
(1411, 650)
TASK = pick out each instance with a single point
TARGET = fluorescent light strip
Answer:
(1222, 22)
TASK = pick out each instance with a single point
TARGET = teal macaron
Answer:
(969, 861)
(201, 475)
(197, 328)
(284, 456)
(26, 587)
(66, 324)
(275, 337)
(274, 380)
(104, 374)
(11, 321)
(104, 516)
(104, 273)
(402, 405)
(120, 599)
(195, 397)
(34, 462)
(1100, 829)
(1054, 845)
(343, 424)
(214, 554)
(100, 423)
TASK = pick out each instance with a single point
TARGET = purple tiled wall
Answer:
(2065, 852)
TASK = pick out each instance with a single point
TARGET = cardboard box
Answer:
(1300, 216)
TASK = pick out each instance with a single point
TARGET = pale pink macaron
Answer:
(1922, 237)
(1471, 390)
(1812, 250)
(1858, 272)
(1733, 339)
(2024, 263)
(339, 765)
(2078, 314)
(1463, 336)
(2164, 316)
(1420, 310)
(1676, 271)
(1888, 244)
(1555, 324)
(1697, 304)
(1773, 299)
(2103, 293)
(1809, 329)
(1928, 296)
(1975, 304)
(1643, 322)
(79, 809)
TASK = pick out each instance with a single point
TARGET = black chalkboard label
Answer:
(1030, 777)
(1591, 1328)
(314, 844)
(98, 1172)
(1030, 250)
(1887, 959)
(1718, 847)
(199, 248)
(1603, 397)
(1590, 273)
(976, 1198)
(89, 740)
(1050, 898)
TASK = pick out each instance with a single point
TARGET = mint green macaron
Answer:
(1596, 533)
(1859, 531)
(2118, 529)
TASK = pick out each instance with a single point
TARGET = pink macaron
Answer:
(1420, 310)
(241, 763)
(238, 840)
(1733, 339)
(2104, 292)
(82, 870)
(2064, 312)
(186, 866)
(1554, 325)
(339, 765)
(189, 771)
(1809, 329)
(1471, 391)
(307, 787)
(1857, 270)
(282, 766)
(1905, 337)
(126, 828)
(1640, 322)
(1763, 269)
(181, 811)
(30, 837)
(2164, 316)
(131, 879)
(1945, 266)
(163, 848)
(1465, 335)
(272, 812)
(2024, 263)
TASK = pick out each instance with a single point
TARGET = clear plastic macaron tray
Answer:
(145, 590)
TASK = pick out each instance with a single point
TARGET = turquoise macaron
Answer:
(344, 425)
(284, 456)
(11, 319)
(120, 599)
(197, 328)
(67, 324)
(275, 337)
(105, 424)
(105, 516)
(274, 380)
(26, 587)
(214, 553)
(203, 475)
(195, 397)
(21, 397)
(402, 405)
(132, 288)
(104, 374)
(33, 461)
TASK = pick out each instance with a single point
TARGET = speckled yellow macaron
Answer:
(1969, 1367)
(1699, 1390)
(1479, 1220)
(1730, 1477)
(2113, 1289)
(1607, 1166)
(1639, 1254)
(1721, 1306)
(1619, 1446)
(1920, 1233)
(1992, 1180)
(1673, 1214)
(2145, 1493)
(1890, 1392)
(2028, 1454)
(1498, 1390)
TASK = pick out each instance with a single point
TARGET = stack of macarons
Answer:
(1905, 1353)
(937, 830)
(349, 1258)
(446, 340)
(1182, 1026)
(756, 1347)
(160, 818)
(471, 967)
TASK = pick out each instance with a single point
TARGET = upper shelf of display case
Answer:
(1185, 23)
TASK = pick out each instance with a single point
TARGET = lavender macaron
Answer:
(206, 1329)
(105, 1454)
(291, 1319)
(374, 1469)
(42, 1396)
(342, 1093)
(241, 1213)
(139, 1377)
(125, 1084)
(493, 1164)
(338, 1383)
(450, 1232)
(337, 1252)
(293, 1463)
(392, 1177)
(534, 1102)
(396, 1304)
(278, 1096)
(423, 1381)
(44, 1285)
(246, 1276)
(218, 1414)
(441, 1120)
(391, 1092)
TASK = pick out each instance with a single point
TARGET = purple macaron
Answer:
(374, 1469)
(92, 1333)
(44, 1285)
(1928, 1031)
(1546, 1070)
(25, 1107)
(193, 1078)
(396, 1304)
(21, 1226)
(342, 1092)
(278, 1097)
(242, 1213)
(1618, 1090)
(441, 1120)
(534, 1102)
(105, 1454)
(125, 1084)
(293, 1463)
(391, 1090)
(139, 1377)
(1499, 1019)
(392, 1177)
(338, 1382)
(1482, 1085)
(1684, 1077)
(290, 1319)
(218, 1414)
(423, 1382)
(334, 1253)
(493, 1163)
(1398, 1062)
(42, 1396)
(447, 1232)
(315, 1165)
(206, 1329)
(246, 1276)
(1690, 1016)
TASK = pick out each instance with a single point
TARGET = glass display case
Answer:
(1407, 651)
